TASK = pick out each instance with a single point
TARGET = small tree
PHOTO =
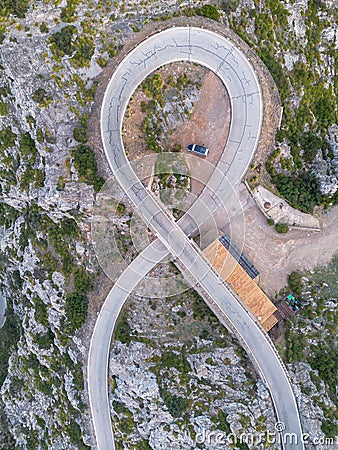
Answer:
(295, 282)
(76, 310)
(281, 228)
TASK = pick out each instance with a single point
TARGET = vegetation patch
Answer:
(302, 191)
(41, 97)
(62, 41)
(123, 330)
(85, 163)
(308, 91)
(209, 11)
(7, 138)
(295, 282)
(76, 311)
(281, 228)
(175, 348)
(18, 8)
(165, 93)
(310, 335)
(8, 215)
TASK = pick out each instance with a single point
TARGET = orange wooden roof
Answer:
(269, 322)
(245, 287)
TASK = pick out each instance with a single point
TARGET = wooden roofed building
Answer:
(240, 274)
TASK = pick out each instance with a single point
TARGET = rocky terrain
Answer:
(298, 43)
(53, 58)
(176, 373)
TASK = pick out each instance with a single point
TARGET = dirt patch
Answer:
(133, 136)
(209, 124)
(276, 255)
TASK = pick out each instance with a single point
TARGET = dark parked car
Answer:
(198, 149)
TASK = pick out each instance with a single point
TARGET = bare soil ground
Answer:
(208, 125)
(277, 255)
(133, 137)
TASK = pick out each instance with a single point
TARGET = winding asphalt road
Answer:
(219, 55)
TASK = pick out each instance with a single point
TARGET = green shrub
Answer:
(40, 136)
(270, 222)
(27, 146)
(8, 215)
(150, 130)
(44, 28)
(295, 345)
(302, 191)
(222, 422)
(123, 330)
(82, 281)
(324, 108)
(329, 428)
(229, 5)
(40, 314)
(76, 310)
(3, 109)
(281, 228)
(75, 434)
(310, 144)
(18, 8)
(276, 71)
(209, 11)
(325, 360)
(9, 336)
(84, 50)
(45, 340)
(177, 148)
(7, 138)
(120, 209)
(152, 87)
(201, 311)
(68, 13)
(134, 27)
(295, 282)
(62, 41)
(69, 228)
(67, 262)
(102, 62)
(85, 164)
(176, 405)
(41, 97)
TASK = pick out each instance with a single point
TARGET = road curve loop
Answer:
(221, 56)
